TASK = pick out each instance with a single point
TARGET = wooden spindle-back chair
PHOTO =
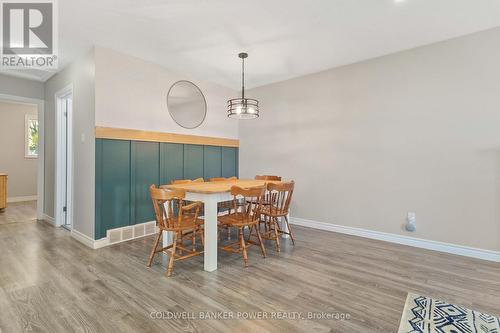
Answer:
(186, 181)
(279, 196)
(248, 217)
(225, 205)
(172, 215)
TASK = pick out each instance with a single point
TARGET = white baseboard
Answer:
(49, 219)
(82, 238)
(404, 240)
(21, 199)
(132, 232)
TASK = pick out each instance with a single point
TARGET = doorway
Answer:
(64, 157)
(31, 149)
(19, 133)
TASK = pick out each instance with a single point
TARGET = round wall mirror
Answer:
(186, 104)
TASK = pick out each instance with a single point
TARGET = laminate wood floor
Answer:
(49, 282)
(18, 212)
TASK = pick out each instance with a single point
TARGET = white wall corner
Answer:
(50, 220)
(82, 238)
(404, 240)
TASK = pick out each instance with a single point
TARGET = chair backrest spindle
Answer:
(280, 197)
(253, 198)
(166, 203)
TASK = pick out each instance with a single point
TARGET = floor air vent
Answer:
(127, 233)
(115, 235)
(150, 228)
(130, 232)
(139, 230)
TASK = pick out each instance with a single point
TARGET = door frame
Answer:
(60, 163)
(40, 104)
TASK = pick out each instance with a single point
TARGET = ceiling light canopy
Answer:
(243, 108)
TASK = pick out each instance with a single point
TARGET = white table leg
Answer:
(284, 226)
(210, 233)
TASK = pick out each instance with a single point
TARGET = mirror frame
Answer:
(204, 101)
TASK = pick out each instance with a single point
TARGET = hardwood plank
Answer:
(50, 282)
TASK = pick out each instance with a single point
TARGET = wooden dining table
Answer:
(211, 193)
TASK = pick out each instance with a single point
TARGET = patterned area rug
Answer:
(426, 315)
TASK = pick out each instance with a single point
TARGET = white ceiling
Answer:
(285, 38)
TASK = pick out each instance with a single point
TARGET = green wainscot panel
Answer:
(212, 162)
(193, 161)
(98, 192)
(125, 170)
(171, 162)
(229, 162)
(145, 170)
(113, 161)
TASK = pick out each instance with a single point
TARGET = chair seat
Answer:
(264, 202)
(266, 210)
(236, 219)
(185, 226)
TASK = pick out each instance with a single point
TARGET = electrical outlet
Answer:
(412, 217)
(411, 221)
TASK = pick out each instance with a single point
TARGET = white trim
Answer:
(82, 238)
(60, 163)
(404, 240)
(101, 243)
(48, 219)
(98, 243)
(40, 103)
(22, 198)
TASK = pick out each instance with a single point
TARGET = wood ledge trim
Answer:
(151, 136)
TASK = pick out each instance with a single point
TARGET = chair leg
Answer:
(153, 250)
(193, 239)
(276, 235)
(243, 247)
(250, 231)
(261, 243)
(289, 230)
(172, 256)
(201, 231)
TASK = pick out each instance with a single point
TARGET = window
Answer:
(31, 136)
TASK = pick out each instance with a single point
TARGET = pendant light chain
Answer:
(242, 78)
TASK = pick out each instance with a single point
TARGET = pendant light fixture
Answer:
(243, 108)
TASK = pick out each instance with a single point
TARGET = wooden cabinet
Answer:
(3, 190)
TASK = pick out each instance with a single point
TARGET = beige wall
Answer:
(22, 171)
(366, 143)
(132, 93)
(16, 86)
(81, 75)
